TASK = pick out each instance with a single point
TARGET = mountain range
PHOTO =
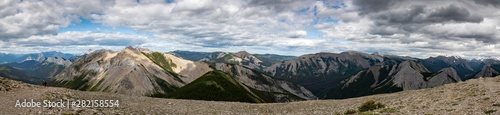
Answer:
(352, 74)
(145, 73)
(245, 77)
(9, 58)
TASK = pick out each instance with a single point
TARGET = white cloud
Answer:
(26, 18)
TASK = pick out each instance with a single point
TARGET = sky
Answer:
(417, 28)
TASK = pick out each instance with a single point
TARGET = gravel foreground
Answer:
(477, 96)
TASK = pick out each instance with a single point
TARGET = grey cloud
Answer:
(419, 14)
(21, 19)
(485, 37)
(297, 34)
(246, 23)
(370, 6)
(415, 18)
(495, 3)
(454, 13)
(281, 5)
(400, 16)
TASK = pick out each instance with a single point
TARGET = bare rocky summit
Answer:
(129, 71)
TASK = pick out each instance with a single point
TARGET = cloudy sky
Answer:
(419, 28)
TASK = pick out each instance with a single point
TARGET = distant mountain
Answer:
(269, 59)
(376, 79)
(465, 68)
(56, 60)
(15, 74)
(9, 58)
(34, 71)
(190, 55)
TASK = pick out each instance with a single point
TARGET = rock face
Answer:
(56, 60)
(281, 91)
(444, 76)
(412, 75)
(188, 70)
(407, 75)
(128, 71)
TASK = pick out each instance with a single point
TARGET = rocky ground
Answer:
(477, 96)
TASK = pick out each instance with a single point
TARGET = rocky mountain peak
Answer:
(444, 76)
(143, 49)
(129, 47)
(415, 65)
(352, 52)
(382, 54)
(29, 58)
(87, 52)
(242, 53)
(56, 60)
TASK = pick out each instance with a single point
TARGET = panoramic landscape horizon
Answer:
(250, 57)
